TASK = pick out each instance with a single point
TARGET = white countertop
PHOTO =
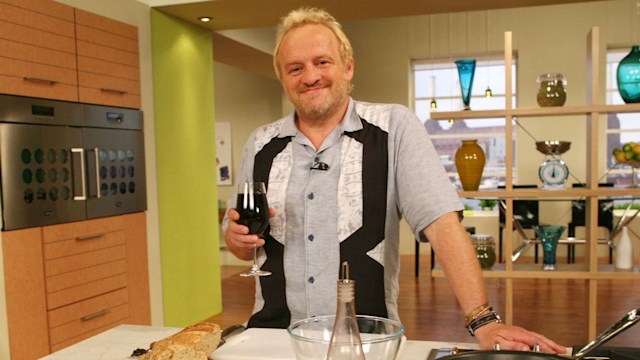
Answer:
(118, 344)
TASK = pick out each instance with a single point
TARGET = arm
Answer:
(462, 269)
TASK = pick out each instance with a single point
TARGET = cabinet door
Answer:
(38, 50)
(108, 61)
(135, 230)
(25, 293)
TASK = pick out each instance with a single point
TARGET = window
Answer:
(437, 82)
(621, 128)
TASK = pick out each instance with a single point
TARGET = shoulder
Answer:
(264, 134)
(385, 116)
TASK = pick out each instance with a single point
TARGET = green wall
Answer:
(182, 58)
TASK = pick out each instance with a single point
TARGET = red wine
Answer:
(256, 218)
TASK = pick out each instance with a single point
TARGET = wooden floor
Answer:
(429, 311)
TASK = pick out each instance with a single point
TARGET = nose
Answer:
(311, 76)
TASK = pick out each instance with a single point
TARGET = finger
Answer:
(506, 344)
(272, 212)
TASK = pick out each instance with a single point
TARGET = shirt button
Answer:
(316, 159)
(311, 280)
(310, 237)
(310, 196)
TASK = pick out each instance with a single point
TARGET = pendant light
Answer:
(487, 93)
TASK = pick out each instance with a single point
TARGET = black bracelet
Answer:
(482, 321)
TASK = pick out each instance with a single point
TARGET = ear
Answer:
(349, 68)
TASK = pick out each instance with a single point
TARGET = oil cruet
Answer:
(345, 341)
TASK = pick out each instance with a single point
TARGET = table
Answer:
(118, 343)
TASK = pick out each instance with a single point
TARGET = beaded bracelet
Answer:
(482, 321)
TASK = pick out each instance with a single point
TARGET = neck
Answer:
(317, 129)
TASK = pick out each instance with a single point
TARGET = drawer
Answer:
(80, 229)
(76, 319)
(82, 244)
(86, 335)
(85, 291)
(84, 260)
(107, 90)
(80, 277)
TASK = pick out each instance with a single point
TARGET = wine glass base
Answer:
(256, 273)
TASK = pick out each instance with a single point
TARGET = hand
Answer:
(237, 236)
(515, 338)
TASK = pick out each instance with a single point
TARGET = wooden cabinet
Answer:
(67, 282)
(108, 64)
(50, 50)
(38, 50)
(591, 271)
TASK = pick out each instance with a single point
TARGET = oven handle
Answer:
(97, 158)
(83, 180)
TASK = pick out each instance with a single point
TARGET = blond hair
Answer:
(310, 15)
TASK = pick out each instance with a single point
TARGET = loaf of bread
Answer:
(195, 342)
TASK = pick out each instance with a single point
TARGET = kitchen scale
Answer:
(553, 171)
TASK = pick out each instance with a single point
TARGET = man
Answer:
(340, 173)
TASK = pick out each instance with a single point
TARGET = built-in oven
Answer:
(63, 161)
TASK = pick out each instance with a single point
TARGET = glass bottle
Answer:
(345, 341)
(624, 251)
(485, 249)
(628, 76)
(551, 90)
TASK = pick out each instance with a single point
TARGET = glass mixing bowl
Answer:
(381, 338)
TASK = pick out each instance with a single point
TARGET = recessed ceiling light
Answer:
(205, 18)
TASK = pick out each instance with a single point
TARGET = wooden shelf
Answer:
(568, 194)
(532, 112)
(590, 271)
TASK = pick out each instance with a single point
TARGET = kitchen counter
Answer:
(118, 344)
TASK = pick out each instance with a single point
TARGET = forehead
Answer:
(310, 39)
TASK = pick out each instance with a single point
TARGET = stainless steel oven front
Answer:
(63, 161)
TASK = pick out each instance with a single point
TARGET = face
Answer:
(314, 77)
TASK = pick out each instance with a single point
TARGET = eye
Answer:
(294, 70)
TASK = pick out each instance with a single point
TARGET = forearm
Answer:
(457, 257)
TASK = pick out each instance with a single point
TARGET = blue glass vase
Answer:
(549, 236)
(629, 76)
(466, 70)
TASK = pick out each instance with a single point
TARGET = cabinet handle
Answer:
(122, 92)
(39, 79)
(89, 237)
(94, 315)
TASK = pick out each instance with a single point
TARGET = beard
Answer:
(320, 106)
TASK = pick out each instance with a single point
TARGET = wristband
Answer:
(482, 321)
(475, 312)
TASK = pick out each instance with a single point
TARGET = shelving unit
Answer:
(591, 271)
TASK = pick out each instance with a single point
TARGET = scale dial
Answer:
(553, 172)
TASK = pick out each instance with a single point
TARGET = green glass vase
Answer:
(629, 76)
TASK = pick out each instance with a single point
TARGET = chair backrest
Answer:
(605, 213)
(525, 212)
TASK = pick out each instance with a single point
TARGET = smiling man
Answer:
(340, 175)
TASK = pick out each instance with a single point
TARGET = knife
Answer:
(230, 332)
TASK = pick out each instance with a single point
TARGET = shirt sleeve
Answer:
(425, 191)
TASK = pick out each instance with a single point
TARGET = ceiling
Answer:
(244, 14)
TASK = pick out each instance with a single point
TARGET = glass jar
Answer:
(551, 89)
(485, 247)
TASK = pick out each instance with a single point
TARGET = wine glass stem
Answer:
(634, 177)
(255, 258)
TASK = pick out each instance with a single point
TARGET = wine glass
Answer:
(254, 213)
